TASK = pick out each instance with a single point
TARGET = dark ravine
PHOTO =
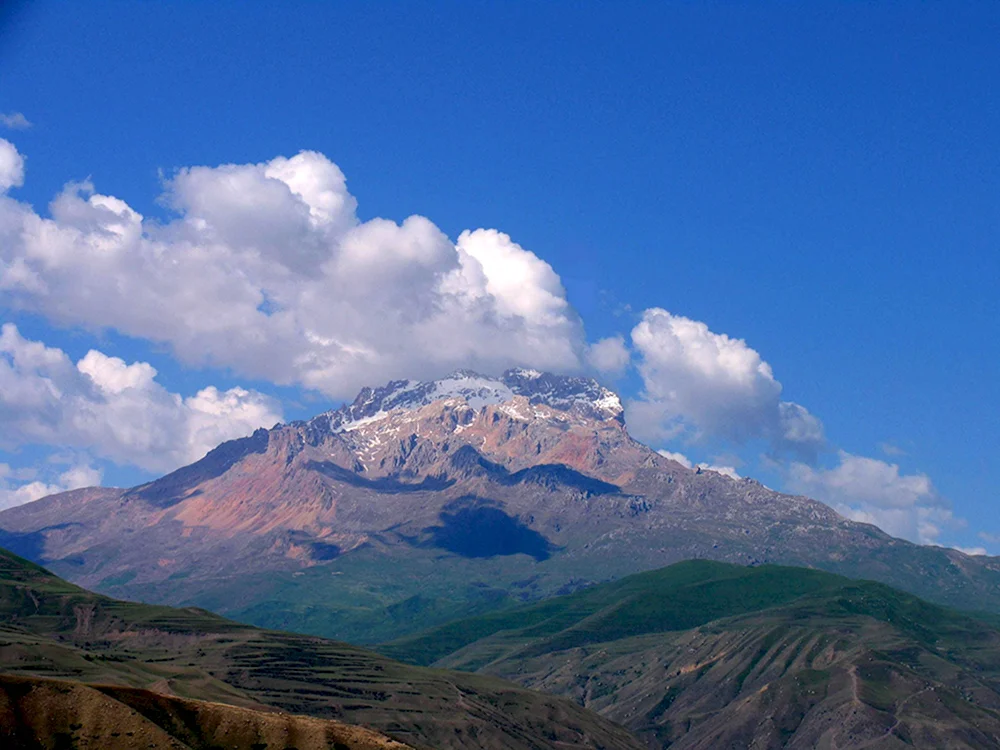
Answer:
(703, 655)
(78, 666)
(368, 522)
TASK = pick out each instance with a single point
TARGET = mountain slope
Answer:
(707, 655)
(37, 713)
(425, 501)
(50, 628)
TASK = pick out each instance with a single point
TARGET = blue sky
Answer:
(819, 181)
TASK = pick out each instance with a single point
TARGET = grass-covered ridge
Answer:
(33, 599)
(694, 655)
(677, 597)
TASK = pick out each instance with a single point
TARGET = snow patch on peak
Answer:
(565, 393)
(610, 402)
(526, 373)
(477, 390)
(359, 423)
(583, 396)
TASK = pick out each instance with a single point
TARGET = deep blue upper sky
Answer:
(821, 180)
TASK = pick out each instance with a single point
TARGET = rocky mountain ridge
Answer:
(421, 501)
(557, 392)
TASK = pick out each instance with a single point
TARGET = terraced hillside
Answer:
(50, 628)
(711, 655)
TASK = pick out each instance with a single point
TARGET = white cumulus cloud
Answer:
(266, 269)
(11, 166)
(729, 471)
(609, 355)
(13, 492)
(696, 379)
(877, 492)
(113, 409)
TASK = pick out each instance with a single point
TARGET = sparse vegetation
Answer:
(136, 654)
(704, 654)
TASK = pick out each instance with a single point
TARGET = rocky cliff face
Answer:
(422, 499)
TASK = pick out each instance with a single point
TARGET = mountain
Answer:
(422, 502)
(78, 669)
(709, 655)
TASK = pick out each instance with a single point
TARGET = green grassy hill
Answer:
(674, 598)
(706, 655)
(52, 629)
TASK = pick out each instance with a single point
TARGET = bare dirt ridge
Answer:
(38, 713)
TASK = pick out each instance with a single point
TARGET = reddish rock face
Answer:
(319, 489)
(310, 476)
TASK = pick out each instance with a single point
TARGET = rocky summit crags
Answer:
(476, 391)
(424, 501)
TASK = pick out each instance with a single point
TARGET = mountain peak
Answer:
(565, 393)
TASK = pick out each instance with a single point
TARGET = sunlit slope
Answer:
(37, 713)
(708, 655)
(57, 630)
